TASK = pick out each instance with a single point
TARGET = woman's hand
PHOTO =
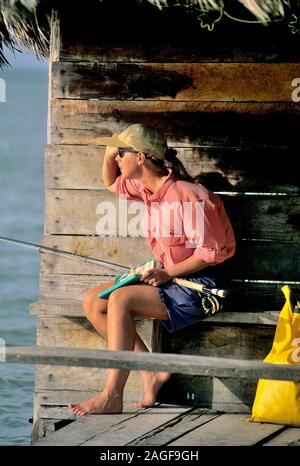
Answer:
(111, 151)
(155, 277)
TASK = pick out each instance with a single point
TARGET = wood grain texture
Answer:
(217, 168)
(289, 437)
(185, 50)
(228, 429)
(267, 217)
(69, 308)
(186, 364)
(235, 340)
(244, 295)
(121, 435)
(175, 428)
(228, 82)
(185, 124)
(251, 260)
(52, 331)
(72, 308)
(87, 431)
(76, 167)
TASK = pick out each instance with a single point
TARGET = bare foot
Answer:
(153, 381)
(104, 403)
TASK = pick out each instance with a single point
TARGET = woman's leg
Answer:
(123, 305)
(95, 310)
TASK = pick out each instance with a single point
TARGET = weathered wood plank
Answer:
(169, 431)
(219, 169)
(62, 379)
(71, 379)
(228, 429)
(68, 286)
(235, 341)
(209, 82)
(185, 51)
(267, 217)
(62, 412)
(76, 167)
(179, 363)
(69, 308)
(63, 397)
(97, 429)
(229, 395)
(244, 296)
(185, 124)
(52, 331)
(136, 426)
(289, 437)
(83, 428)
(219, 394)
(258, 260)
(252, 258)
(219, 340)
(127, 251)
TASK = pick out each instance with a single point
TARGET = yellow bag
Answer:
(278, 401)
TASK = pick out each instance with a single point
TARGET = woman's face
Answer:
(130, 163)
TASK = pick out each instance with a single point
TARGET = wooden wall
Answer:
(223, 99)
(235, 128)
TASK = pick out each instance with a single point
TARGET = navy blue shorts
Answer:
(186, 306)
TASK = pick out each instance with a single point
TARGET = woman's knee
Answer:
(92, 304)
(119, 301)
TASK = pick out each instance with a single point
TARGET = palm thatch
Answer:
(27, 23)
(264, 10)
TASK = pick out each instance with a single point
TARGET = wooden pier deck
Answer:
(172, 426)
(163, 425)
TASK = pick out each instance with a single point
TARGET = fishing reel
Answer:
(210, 304)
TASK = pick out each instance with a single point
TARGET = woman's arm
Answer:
(110, 169)
(158, 276)
(190, 265)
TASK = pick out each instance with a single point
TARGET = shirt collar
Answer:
(159, 195)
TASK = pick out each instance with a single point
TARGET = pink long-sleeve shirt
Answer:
(182, 219)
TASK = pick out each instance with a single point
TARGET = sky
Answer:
(24, 60)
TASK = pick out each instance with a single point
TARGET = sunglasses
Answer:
(121, 151)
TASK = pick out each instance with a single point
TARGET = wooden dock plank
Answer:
(170, 431)
(170, 425)
(84, 428)
(143, 423)
(227, 430)
(289, 437)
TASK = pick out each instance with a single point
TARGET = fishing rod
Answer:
(91, 260)
(59, 252)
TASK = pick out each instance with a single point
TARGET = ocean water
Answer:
(23, 133)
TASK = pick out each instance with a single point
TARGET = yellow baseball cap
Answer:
(143, 138)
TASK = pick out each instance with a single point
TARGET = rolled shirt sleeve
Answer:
(215, 242)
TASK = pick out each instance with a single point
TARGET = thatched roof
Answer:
(27, 22)
(264, 10)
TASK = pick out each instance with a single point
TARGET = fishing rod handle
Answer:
(201, 288)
